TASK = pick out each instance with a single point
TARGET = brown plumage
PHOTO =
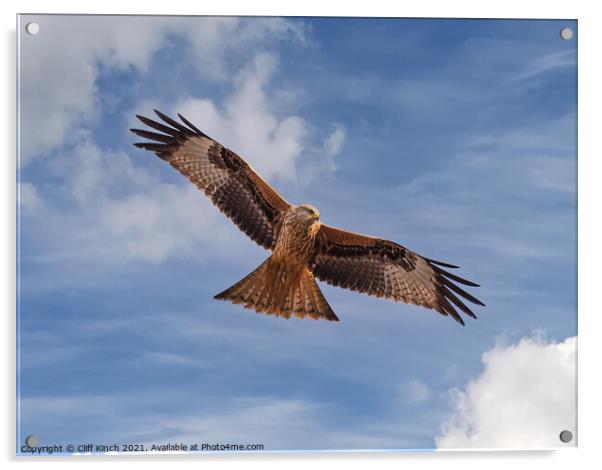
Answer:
(302, 247)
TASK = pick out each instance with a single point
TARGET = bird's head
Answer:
(309, 213)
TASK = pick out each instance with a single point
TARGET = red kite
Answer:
(302, 247)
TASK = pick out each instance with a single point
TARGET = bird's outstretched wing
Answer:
(385, 269)
(240, 193)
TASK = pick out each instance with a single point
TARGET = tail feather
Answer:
(272, 289)
(306, 298)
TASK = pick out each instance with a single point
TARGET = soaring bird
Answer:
(302, 247)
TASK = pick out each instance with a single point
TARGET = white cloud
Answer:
(164, 221)
(524, 398)
(90, 174)
(60, 65)
(117, 209)
(249, 124)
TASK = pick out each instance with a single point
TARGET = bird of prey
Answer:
(302, 247)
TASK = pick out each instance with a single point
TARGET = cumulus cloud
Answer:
(248, 122)
(524, 398)
(58, 90)
(116, 209)
(165, 221)
(249, 125)
(59, 67)
(138, 216)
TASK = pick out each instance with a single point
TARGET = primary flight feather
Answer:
(302, 247)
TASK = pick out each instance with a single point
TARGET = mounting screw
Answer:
(32, 28)
(566, 34)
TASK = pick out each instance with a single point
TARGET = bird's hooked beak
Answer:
(316, 214)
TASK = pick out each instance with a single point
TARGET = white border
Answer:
(589, 216)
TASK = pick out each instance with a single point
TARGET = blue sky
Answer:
(455, 138)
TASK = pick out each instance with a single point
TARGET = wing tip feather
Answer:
(192, 126)
(441, 263)
(459, 279)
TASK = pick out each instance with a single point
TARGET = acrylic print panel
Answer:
(453, 138)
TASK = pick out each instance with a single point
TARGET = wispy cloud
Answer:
(277, 423)
(546, 63)
(415, 392)
(516, 171)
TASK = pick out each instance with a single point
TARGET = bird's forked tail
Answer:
(273, 289)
